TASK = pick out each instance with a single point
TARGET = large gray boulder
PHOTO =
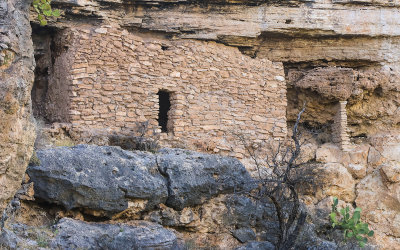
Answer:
(196, 177)
(97, 178)
(108, 178)
(73, 234)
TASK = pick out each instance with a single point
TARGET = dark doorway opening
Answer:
(164, 106)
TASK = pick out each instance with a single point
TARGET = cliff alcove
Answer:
(195, 75)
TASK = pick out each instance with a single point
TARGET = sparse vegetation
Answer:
(352, 226)
(42, 241)
(280, 176)
(44, 10)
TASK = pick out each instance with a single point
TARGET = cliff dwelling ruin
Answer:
(99, 81)
(105, 80)
(200, 76)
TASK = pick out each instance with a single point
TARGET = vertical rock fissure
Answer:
(167, 178)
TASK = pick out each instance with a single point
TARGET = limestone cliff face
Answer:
(332, 50)
(16, 78)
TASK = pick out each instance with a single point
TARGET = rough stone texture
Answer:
(358, 171)
(331, 153)
(380, 202)
(337, 181)
(75, 234)
(16, 78)
(194, 177)
(339, 127)
(310, 37)
(112, 180)
(331, 50)
(368, 175)
(50, 103)
(391, 171)
(144, 235)
(257, 245)
(99, 178)
(330, 82)
(224, 214)
(244, 234)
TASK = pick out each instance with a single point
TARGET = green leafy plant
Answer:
(352, 226)
(44, 10)
(42, 241)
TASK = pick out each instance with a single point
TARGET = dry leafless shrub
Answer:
(281, 174)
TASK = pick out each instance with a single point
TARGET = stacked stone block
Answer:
(339, 128)
(216, 92)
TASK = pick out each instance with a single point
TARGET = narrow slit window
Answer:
(164, 106)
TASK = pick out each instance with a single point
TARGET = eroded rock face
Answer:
(111, 180)
(74, 234)
(380, 200)
(16, 78)
(195, 177)
(368, 176)
(144, 235)
(98, 178)
(337, 181)
(331, 50)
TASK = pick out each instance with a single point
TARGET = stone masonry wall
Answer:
(215, 90)
(339, 127)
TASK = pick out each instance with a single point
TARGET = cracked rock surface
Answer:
(111, 180)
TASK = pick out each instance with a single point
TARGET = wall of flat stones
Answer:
(339, 127)
(216, 92)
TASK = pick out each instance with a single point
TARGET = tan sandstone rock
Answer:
(16, 78)
(380, 203)
(358, 171)
(337, 181)
(328, 153)
(391, 171)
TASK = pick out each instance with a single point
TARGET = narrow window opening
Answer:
(164, 106)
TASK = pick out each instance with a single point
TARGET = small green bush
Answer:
(42, 241)
(351, 225)
(43, 10)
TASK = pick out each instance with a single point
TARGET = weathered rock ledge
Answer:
(112, 180)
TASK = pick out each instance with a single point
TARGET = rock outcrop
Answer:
(331, 50)
(97, 178)
(206, 198)
(194, 177)
(111, 180)
(16, 78)
(367, 176)
(74, 234)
